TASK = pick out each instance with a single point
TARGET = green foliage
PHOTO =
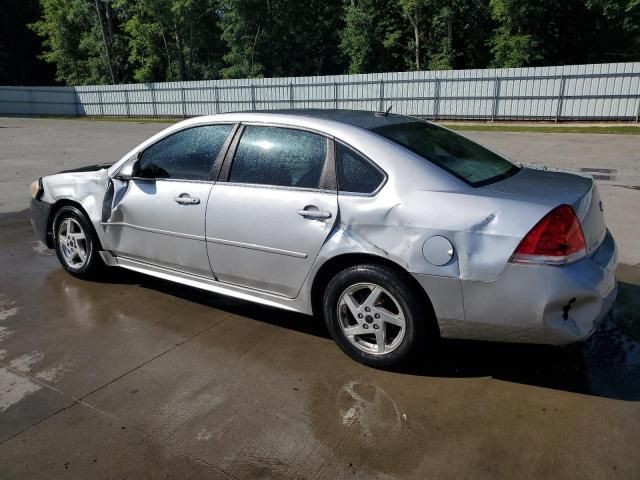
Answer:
(164, 40)
(374, 38)
(275, 38)
(621, 19)
(72, 37)
(172, 39)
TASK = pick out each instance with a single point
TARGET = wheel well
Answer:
(341, 262)
(52, 215)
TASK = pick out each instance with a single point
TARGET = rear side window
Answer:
(279, 156)
(355, 173)
(186, 155)
(454, 153)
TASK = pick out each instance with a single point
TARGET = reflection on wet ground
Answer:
(135, 377)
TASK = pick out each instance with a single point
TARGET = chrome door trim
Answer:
(209, 284)
(278, 187)
(261, 248)
(154, 230)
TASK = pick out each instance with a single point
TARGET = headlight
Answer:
(36, 189)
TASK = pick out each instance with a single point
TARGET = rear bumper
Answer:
(539, 303)
(39, 212)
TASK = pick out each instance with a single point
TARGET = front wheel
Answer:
(76, 243)
(373, 315)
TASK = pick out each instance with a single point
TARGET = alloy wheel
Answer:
(73, 243)
(371, 318)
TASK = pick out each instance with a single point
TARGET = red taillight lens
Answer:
(556, 239)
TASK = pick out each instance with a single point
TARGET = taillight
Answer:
(556, 239)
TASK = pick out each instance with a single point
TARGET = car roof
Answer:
(358, 118)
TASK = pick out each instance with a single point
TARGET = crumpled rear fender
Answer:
(483, 229)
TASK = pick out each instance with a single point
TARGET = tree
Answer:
(374, 37)
(620, 25)
(557, 32)
(281, 37)
(172, 39)
(73, 40)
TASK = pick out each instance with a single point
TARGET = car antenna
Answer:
(384, 114)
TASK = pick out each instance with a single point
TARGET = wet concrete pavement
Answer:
(135, 377)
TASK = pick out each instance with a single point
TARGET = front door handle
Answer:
(315, 214)
(186, 199)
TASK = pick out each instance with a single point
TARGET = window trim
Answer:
(377, 167)
(328, 175)
(217, 162)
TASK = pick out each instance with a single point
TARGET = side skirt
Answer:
(203, 283)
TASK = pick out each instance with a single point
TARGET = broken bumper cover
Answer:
(540, 303)
(39, 212)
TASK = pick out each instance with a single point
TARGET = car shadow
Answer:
(606, 365)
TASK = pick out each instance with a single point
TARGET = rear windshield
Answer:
(454, 153)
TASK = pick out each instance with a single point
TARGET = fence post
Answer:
(638, 110)
(436, 99)
(381, 106)
(101, 103)
(76, 101)
(496, 97)
(335, 94)
(32, 108)
(184, 106)
(290, 95)
(216, 96)
(560, 95)
(153, 100)
(253, 97)
(126, 99)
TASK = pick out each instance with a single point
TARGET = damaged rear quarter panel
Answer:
(484, 230)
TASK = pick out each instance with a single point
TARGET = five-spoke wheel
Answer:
(72, 241)
(371, 318)
(374, 314)
(76, 243)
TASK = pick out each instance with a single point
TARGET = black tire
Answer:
(92, 267)
(416, 316)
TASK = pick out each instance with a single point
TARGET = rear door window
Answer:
(280, 157)
(355, 173)
(456, 154)
(186, 155)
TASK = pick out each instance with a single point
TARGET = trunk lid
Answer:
(557, 188)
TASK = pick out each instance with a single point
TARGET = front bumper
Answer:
(540, 303)
(39, 212)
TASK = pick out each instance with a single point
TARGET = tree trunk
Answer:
(109, 15)
(166, 50)
(181, 69)
(416, 34)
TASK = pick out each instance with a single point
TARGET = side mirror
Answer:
(126, 172)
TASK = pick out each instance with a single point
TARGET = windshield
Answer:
(454, 153)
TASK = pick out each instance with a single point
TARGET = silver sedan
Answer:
(395, 230)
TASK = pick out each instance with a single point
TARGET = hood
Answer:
(90, 168)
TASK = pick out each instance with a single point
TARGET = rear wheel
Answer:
(76, 243)
(373, 316)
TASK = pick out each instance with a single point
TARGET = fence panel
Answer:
(574, 92)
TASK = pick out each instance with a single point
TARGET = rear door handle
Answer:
(186, 199)
(315, 214)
